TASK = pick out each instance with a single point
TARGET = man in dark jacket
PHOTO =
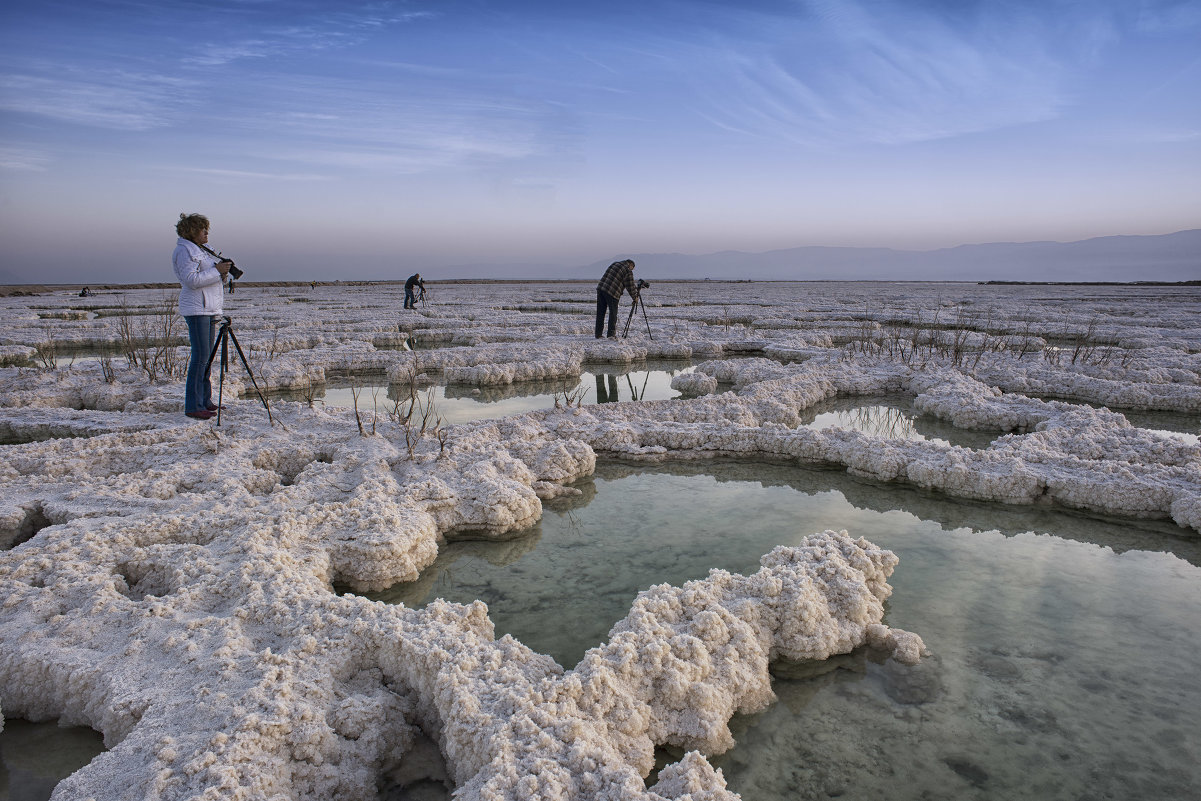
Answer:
(413, 282)
(617, 279)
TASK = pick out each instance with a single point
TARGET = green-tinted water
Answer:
(1063, 648)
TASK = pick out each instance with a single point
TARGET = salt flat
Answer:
(170, 582)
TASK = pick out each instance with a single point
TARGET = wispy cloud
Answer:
(377, 124)
(250, 174)
(20, 159)
(307, 31)
(1169, 15)
(115, 100)
(885, 72)
(228, 52)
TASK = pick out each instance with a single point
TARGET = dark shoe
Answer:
(200, 414)
(212, 407)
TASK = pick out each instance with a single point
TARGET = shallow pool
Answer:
(460, 403)
(34, 757)
(1064, 648)
(891, 417)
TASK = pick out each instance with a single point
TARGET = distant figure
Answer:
(313, 285)
(201, 303)
(231, 286)
(410, 285)
(83, 293)
(617, 279)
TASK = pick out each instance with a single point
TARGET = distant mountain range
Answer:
(1167, 257)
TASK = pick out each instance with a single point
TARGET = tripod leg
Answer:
(208, 368)
(250, 373)
(648, 322)
(223, 342)
(633, 308)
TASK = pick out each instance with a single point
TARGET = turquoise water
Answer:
(1063, 647)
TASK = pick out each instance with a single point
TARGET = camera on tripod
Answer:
(643, 284)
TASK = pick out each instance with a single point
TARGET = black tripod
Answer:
(633, 308)
(223, 338)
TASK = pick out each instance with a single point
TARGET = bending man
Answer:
(618, 278)
(410, 287)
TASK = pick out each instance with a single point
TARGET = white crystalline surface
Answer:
(169, 582)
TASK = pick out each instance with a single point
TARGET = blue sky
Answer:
(370, 140)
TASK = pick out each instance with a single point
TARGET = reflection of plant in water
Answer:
(886, 422)
(415, 414)
(308, 393)
(571, 397)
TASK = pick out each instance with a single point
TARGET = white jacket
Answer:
(202, 291)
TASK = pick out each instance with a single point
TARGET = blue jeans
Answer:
(198, 392)
(606, 303)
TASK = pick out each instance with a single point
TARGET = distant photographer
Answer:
(412, 286)
(617, 279)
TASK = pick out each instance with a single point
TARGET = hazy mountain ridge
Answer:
(1166, 257)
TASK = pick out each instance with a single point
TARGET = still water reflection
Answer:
(1064, 647)
(460, 404)
(891, 417)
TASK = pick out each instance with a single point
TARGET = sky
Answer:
(458, 138)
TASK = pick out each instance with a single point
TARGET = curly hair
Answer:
(190, 226)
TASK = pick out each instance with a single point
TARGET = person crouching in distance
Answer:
(202, 277)
(617, 279)
(410, 285)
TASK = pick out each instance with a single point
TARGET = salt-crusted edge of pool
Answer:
(218, 664)
(176, 596)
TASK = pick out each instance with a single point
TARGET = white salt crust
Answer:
(170, 584)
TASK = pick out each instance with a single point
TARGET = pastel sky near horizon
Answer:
(370, 140)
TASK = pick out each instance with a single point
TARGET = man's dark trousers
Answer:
(606, 302)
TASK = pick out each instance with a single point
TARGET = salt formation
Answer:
(178, 600)
(169, 583)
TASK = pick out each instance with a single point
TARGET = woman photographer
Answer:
(201, 278)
